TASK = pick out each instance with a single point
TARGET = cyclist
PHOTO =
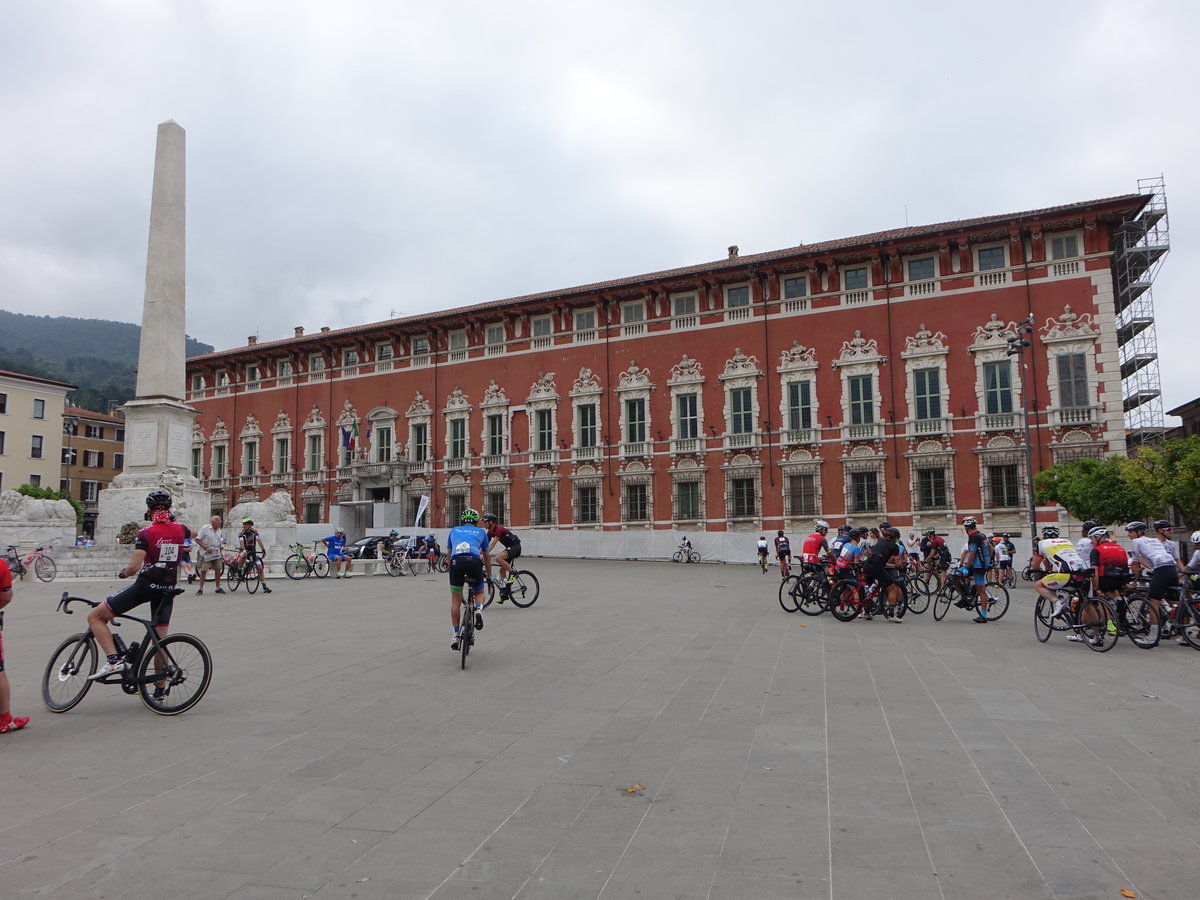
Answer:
(469, 561)
(815, 547)
(881, 532)
(185, 561)
(1065, 563)
(1084, 545)
(510, 553)
(435, 551)
(783, 552)
(1152, 553)
(881, 567)
(913, 547)
(1192, 569)
(851, 552)
(839, 542)
(936, 554)
(1003, 560)
(8, 722)
(252, 549)
(976, 559)
(762, 551)
(335, 549)
(155, 562)
(1110, 562)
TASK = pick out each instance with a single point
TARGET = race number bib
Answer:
(462, 547)
(168, 553)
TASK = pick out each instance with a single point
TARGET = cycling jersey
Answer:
(469, 540)
(506, 537)
(814, 545)
(851, 553)
(839, 542)
(1060, 554)
(163, 544)
(1002, 554)
(977, 544)
(336, 546)
(782, 547)
(1152, 552)
(882, 553)
(762, 548)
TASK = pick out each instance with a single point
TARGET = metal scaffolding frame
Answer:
(1139, 246)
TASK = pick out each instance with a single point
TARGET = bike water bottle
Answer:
(132, 653)
(120, 645)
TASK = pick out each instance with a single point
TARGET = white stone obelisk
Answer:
(158, 424)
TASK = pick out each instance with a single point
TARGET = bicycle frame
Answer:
(127, 679)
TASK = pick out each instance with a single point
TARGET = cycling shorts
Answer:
(1055, 580)
(334, 557)
(161, 603)
(512, 554)
(1114, 582)
(884, 576)
(1160, 579)
(465, 568)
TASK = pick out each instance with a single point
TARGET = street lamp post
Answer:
(1016, 347)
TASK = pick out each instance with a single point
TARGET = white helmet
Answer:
(819, 524)
(1196, 537)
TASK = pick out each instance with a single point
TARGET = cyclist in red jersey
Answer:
(498, 534)
(815, 546)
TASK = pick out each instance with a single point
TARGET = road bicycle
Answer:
(170, 673)
(922, 587)
(960, 591)
(243, 572)
(1006, 577)
(762, 561)
(1183, 612)
(521, 587)
(852, 597)
(466, 618)
(685, 554)
(301, 564)
(43, 566)
(393, 561)
(1100, 621)
(808, 592)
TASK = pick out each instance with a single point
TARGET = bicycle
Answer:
(808, 592)
(1100, 621)
(923, 585)
(762, 561)
(685, 554)
(851, 598)
(182, 666)
(393, 561)
(245, 571)
(1182, 612)
(302, 564)
(968, 598)
(466, 618)
(521, 587)
(43, 566)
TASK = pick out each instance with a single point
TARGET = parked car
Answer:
(368, 547)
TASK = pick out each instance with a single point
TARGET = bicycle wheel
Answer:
(64, 682)
(845, 600)
(395, 565)
(1009, 578)
(524, 590)
(1187, 620)
(1096, 625)
(941, 602)
(1027, 574)
(693, 556)
(44, 568)
(296, 567)
(186, 673)
(233, 577)
(1043, 620)
(998, 594)
(321, 565)
(919, 592)
(250, 578)
(677, 556)
(789, 590)
(1141, 624)
(443, 563)
(814, 596)
(901, 606)
(466, 632)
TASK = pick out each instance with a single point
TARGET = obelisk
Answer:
(158, 423)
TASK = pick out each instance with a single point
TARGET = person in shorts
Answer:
(976, 559)
(8, 722)
(209, 544)
(882, 567)
(469, 565)
(783, 552)
(509, 553)
(335, 549)
(763, 549)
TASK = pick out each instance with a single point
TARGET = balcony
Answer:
(344, 472)
(856, 298)
(921, 288)
(743, 441)
(494, 350)
(421, 360)
(222, 390)
(865, 431)
(248, 481)
(800, 435)
(930, 426)
(1061, 269)
(997, 422)
(311, 475)
(634, 329)
(383, 365)
(684, 323)
(374, 469)
(991, 279)
(458, 355)
(635, 448)
(585, 337)
(587, 452)
(456, 464)
(218, 483)
(686, 445)
(1075, 415)
(420, 467)
(542, 343)
(795, 306)
(350, 370)
(283, 381)
(737, 314)
(543, 457)
(495, 461)
(318, 376)
(280, 479)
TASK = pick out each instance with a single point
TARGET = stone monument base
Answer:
(124, 500)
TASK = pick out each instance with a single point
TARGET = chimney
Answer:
(252, 340)
(733, 251)
(299, 331)
(324, 329)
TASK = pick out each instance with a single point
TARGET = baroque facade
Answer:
(852, 379)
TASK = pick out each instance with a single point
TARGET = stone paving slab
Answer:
(646, 730)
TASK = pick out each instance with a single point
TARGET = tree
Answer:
(1094, 489)
(1169, 476)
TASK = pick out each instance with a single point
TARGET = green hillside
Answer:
(98, 355)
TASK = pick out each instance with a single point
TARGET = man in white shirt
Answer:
(1152, 553)
(209, 543)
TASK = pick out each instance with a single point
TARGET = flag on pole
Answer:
(346, 442)
(421, 507)
(354, 435)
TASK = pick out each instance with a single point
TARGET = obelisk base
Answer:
(158, 445)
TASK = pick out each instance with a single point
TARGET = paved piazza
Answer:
(646, 730)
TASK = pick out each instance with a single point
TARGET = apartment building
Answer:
(93, 454)
(31, 431)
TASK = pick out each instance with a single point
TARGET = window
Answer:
(920, 269)
(542, 326)
(35, 446)
(931, 489)
(93, 459)
(864, 492)
(862, 403)
(635, 421)
(118, 461)
(991, 258)
(685, 305)
(39, 409)
(458, 438)
(1064, 247)
(218, 463)
(70, 457)
(587, 504)
(250, 459)
(493, 502)
(544, 435)
(383, 352)
(741, 410)
(855, 279)
(92, 431)
(420, 442)
(420, 346)
(687, 500)
(796, 286)
(314, 457)
(382, 443)
(312, 512)
(687, 415)
(585, 319)
(637, 502)
(1, 443)
(799, 405)
(802, 495)
(632, 313)
(315, 364)
(197, 460)
(458, 342)
(742, 498)
(1005, 491)
(253, 374)
(1072, 380)
(35, 480)
(927, 393)
(349, 357)
(120, 435)
(737, 296)
(197, 383)
(283, 454)
(495, 434)
(455, 504)
(543, 506)
(4, 403)
(997, 388)
(494, 336)
(284, 369)
(587, 424)
(222, 379)
(89, 491)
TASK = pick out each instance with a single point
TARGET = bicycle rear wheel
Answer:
(1043, 619)
(1188, 621)
(321, 565)
(395, 565)
(814, 595)
(44, 568)
(693, 556)
(677, 556)
(998, 594)
(466, 632)
(789, 588)
(941, 602)
(64, 683)
(296, 567)
(919, 592)
(1142, 624)
(233, 577)
(1096, 625)
(524, 589)
(187, 672)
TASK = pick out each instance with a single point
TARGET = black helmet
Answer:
(892, 532)
(863, 532)
(1136, 526)
(488, 517)
(779, 533)
(159, 499)
(1160, 524)
(1089, 525)
(844, 529)
(884, 524)
(931, 531)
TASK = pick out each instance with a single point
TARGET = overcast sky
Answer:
(349, 161)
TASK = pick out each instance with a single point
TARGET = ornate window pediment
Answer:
(543, 391)
(797, 358)
(251, 429)
(315, 419)
(283, 423)
(740, 366)
(494, 395)
(419, 407)
(457, 402)
(925, 343)
(859, 351)
(994, 335)
(686, 371)
(586, 384)
(635, 379)
(349, 415)
(1069, 327)
(197, 433)
(220, 433)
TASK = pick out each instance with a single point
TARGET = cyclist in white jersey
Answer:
(1151, 553)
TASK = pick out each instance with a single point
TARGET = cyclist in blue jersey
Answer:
(469, 561)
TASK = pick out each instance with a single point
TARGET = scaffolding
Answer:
(1139, 246)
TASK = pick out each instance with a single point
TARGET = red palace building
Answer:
(853, 379)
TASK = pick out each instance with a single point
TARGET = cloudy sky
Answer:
(349, 161)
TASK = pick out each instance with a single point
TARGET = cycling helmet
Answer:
(930, 531)
(247, 521)
(863, 532)
(821, 525)
(1196, 537)
(393, 533)
(1160, 524)
(892, 532)
(339, 531)
(159, 499)
(969, 522)
(1098, 533)
(779, 533)
(1089, 525)
(1136, 526)
(1050, 531)
(470, 516)
(884, 524)
(1006, 535)
(488, 517)
(844, 529)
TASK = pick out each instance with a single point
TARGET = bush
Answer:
(127, 533)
